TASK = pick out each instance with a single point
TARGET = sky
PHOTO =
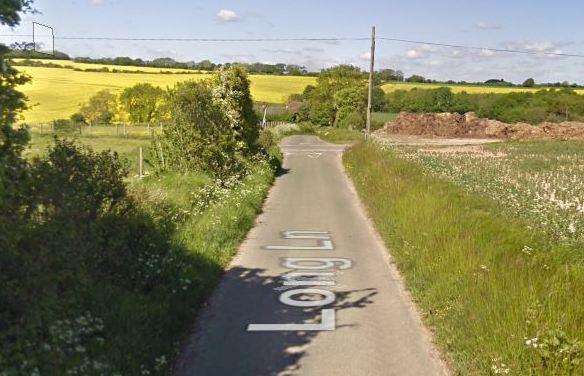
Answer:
(537, 26)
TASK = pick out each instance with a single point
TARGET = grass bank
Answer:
(501, 296)
(207, 222)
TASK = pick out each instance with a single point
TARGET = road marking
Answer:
(325, 245)
(307, 272)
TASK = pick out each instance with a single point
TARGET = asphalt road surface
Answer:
(312, 291)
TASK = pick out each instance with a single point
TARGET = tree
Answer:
(351, 105)
(232, 93)
(100, 109)
(141, 102)
(13, 168)
(416, 78)
(199, 136)
(530, 82)
(386, 75)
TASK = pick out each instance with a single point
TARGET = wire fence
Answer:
(119, 130)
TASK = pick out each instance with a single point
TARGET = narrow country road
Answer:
(311, 291)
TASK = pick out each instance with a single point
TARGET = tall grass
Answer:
(502, 298)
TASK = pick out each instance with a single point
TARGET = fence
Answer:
(128, 140)
(276, 123)
(111, 130)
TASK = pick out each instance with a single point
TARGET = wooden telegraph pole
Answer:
(371, 71)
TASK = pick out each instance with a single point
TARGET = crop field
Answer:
(57, 93)
(76, 65)
(471, 89)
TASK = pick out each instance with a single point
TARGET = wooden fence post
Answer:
(141, 164)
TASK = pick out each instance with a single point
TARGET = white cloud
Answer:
(415, 54)
(487, 53)
(545, 48)
(226, 15)
(366, 56)
(482, 25)
(96, 2)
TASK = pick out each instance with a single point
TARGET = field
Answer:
(126, 144)
(471, 89)
(492, 252)
(76, 65)
(57, 93)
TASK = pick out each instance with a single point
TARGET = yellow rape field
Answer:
(57, 93)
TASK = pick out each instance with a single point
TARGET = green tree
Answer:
(199, 136)
(386, 75)
(100, 109)
(351, 105)
(319, 101)
(416, 78)
(13, 168)
(530, 82)
(232, 93)
(141, 102)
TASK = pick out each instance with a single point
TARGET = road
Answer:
(312, 290)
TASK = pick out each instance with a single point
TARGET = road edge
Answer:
(428, 335)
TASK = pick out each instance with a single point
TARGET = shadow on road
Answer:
(223, 346)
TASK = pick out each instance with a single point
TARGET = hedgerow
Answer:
(532, 107)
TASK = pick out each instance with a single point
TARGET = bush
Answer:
(141, 102)
(307, 127)
(353, 120)
(78, 118)
(266, 140)
(231, 92)
(64, 126)
(100, 109)
(199, 136)
(79, 255)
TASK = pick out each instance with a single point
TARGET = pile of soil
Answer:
(447, 125)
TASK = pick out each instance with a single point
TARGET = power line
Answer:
(525, 52)
(213, 39)
(316, 39)
(163, 39)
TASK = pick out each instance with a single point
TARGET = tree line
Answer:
(546, 105)
(25, 51)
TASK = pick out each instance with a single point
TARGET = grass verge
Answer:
(501, 298)
(208, 221)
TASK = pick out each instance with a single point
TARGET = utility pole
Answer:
(371, 71)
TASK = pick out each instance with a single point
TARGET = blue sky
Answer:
(540, 26)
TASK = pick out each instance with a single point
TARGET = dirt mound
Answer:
(447, 125)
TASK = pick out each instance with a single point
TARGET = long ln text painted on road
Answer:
(307, 277)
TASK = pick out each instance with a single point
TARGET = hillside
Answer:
(58, 93)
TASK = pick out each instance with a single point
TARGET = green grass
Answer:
(485, 281)
(98, 138)
(58, 92)
(382, 117)
(205, 230)
(338, 135)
